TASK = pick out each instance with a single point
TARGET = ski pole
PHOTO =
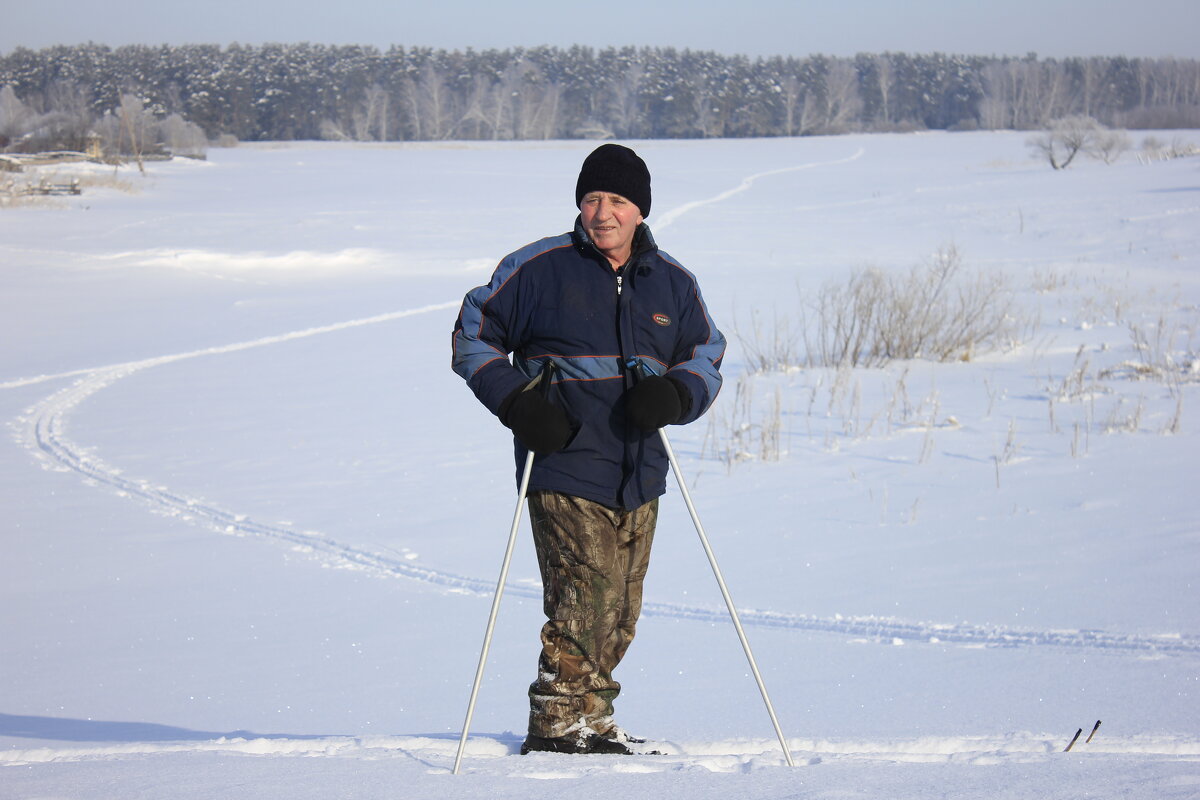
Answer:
(548, 375)
(737, 623)
(487, 636)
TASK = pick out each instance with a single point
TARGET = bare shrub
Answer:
(1166, 353)
(1070, 136)
(1065, 139)
(1154, 149)
(1181, 149)
(1050, 280)
(1108, 145)
(738, 432)
(1122, 419)
(935, 312)
(182, 138)
(769, 348)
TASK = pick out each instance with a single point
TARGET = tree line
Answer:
(313, 91)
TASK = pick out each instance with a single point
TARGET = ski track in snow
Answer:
(488, 754)
(671, 216)
(43, 429)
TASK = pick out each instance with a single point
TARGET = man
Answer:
(626, 338)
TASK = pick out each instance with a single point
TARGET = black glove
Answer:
(655, 401)
(536, 422)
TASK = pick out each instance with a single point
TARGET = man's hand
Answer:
(539, 424)
(655, 401)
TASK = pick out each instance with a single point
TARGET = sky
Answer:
(1050, 28)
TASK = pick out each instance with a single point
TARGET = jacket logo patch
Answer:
(661, 319)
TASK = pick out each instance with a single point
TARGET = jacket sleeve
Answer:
(486, 331)
(697, 361)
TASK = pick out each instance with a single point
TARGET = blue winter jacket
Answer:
(559, 300)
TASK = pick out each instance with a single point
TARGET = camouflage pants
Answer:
(593, 560)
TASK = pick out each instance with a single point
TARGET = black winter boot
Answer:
(575, 745)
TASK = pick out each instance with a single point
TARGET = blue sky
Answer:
(1051, 28)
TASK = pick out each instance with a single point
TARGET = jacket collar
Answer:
(643, 243)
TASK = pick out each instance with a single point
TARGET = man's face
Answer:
(611, 221)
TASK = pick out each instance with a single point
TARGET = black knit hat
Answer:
(616, 169)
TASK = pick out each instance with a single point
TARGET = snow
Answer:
(253, 522)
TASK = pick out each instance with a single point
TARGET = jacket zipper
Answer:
(628, 459)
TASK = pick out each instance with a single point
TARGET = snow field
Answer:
(950, 568)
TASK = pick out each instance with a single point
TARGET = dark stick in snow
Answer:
(1073, 741)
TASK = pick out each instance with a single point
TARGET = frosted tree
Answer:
(14, 116)
(290, 91)
(1066, 138)
(1108, 145)
(843, 101)
(181, 137)
(885, 76)
(134, 122)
